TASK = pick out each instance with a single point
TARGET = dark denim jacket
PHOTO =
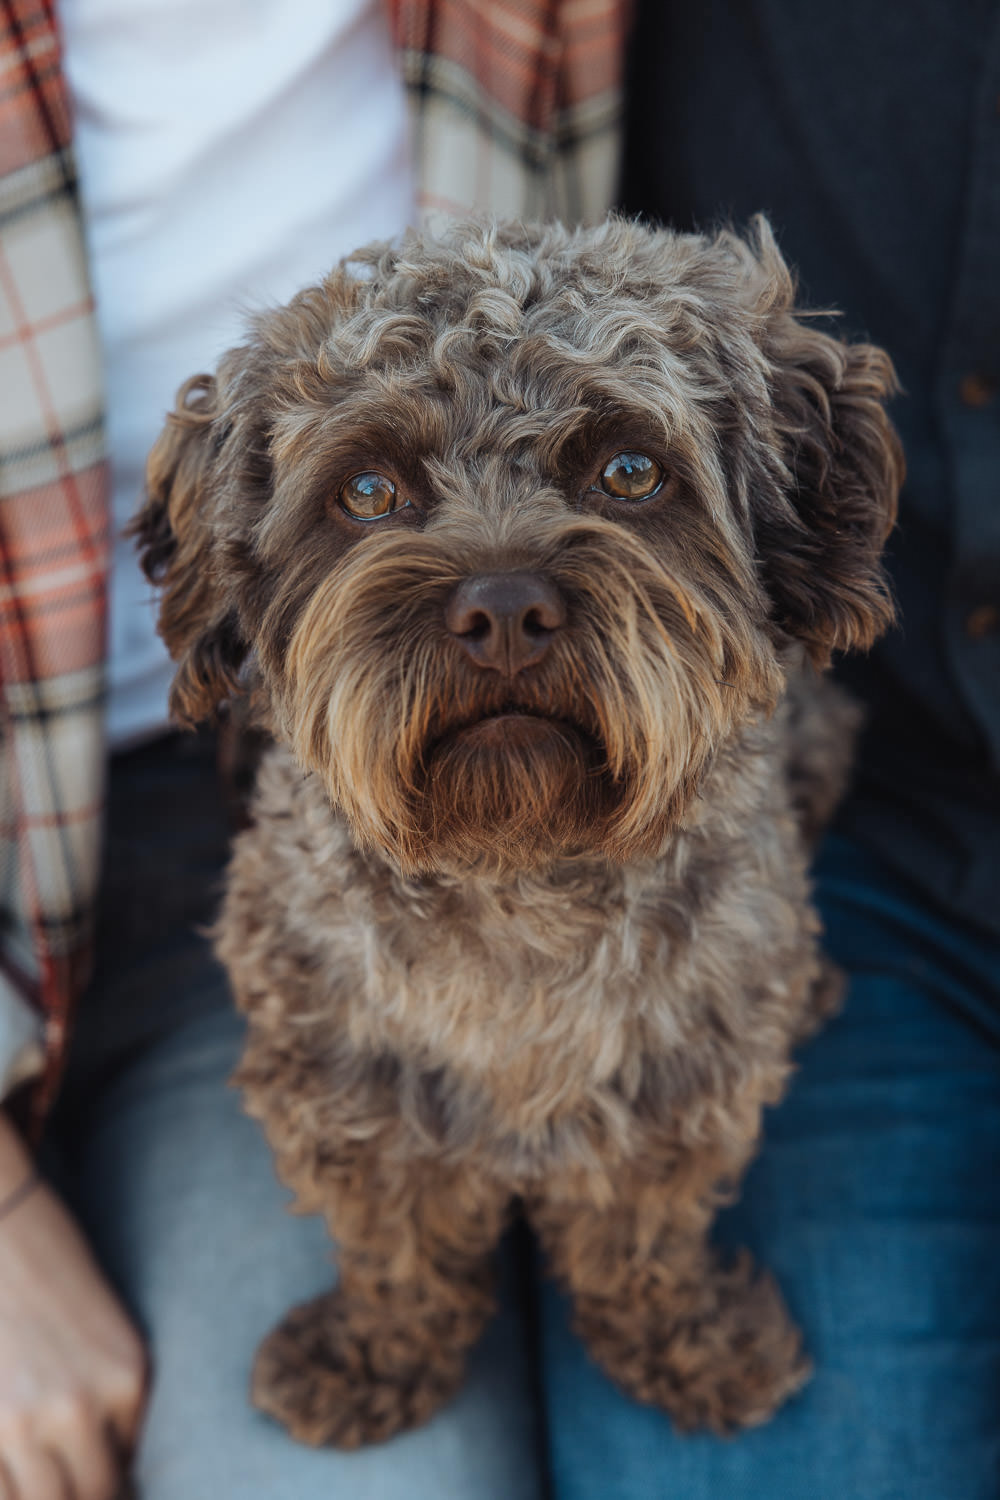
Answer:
(871, 137)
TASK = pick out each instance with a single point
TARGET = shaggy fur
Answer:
(532, 928)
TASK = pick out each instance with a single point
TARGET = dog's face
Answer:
(513, 525)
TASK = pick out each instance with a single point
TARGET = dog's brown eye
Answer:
(370, 495)
(631, 476)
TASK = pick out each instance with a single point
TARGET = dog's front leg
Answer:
(667, 1318)
(387, 1346)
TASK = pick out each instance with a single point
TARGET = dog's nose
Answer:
(505, 621)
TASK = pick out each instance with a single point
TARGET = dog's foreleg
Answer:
(387, 1346)
(674, 1325)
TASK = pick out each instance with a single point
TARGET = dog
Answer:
(528, 546)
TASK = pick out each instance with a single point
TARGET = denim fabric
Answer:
(177, 1191)
(876, 1200)
(186, 1214)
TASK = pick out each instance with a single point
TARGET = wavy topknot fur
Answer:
(524, 910)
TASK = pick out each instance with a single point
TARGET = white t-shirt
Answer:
(230, 151)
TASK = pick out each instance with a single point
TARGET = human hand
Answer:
(72, 1367)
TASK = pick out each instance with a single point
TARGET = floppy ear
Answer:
(178, 553)
(819, 544)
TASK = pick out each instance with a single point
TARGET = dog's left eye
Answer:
(370, 495)
(631, 476)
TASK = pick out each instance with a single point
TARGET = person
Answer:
(871, 138)
(875, 1199)
(229, 154)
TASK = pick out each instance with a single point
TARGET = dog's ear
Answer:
(178, 549)
(819, 542)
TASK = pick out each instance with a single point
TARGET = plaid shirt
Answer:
(53, 537)
(515, 107)
(515, 103)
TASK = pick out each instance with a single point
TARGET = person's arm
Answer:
(72, 1366)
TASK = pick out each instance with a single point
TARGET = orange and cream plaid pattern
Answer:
(515, 104)
(53, 535)
(515, 107)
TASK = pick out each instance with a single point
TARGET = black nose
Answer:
(505, 621)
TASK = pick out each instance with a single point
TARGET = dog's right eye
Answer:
(631, 476)
(370, 495)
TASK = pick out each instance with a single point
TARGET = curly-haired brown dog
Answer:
(513, 534)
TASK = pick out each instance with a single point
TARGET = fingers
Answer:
(122, 1450)
(80, 1464)
(90, 1465)
(37, 1474)
(68, 1488)
(125, 1402)
(78, 1444)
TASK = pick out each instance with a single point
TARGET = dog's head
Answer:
(511, 527)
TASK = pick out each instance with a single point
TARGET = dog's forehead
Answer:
(489, 299)
(478, 333)
(535, 347)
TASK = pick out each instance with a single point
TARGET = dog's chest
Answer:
(527, 998)
(529, 993)
(534, 1015)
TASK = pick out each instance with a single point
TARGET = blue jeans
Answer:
(876, 1200)
(176, 1188)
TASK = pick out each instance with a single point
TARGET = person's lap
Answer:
(193, 1227)
(177, 1190)
(875, 1201)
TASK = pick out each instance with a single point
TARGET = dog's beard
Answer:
(443, 767)
(514, 789)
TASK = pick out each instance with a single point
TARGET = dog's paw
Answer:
(333, 1380)
(728, 1364)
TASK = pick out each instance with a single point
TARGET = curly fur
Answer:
(539, 935)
